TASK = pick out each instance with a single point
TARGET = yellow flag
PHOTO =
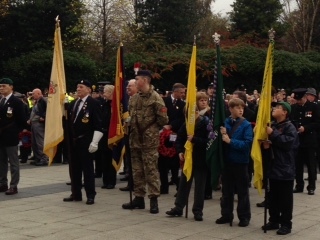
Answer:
(191, 114)
(55, 106)
(263, 118)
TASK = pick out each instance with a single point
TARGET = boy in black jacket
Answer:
(199, 168)
(281, 171)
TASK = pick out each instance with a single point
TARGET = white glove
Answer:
(93, 147)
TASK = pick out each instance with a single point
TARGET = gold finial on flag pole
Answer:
(57, 21)
(271, 34)
(216, 38)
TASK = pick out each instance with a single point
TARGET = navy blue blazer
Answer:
(89, 119)
(175, 113)
(13, 120)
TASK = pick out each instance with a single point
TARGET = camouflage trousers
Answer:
(145, 171)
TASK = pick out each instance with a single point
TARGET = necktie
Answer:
(174, 102)
(2, 102)
(75, 110)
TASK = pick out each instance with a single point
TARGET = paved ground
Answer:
(38, 212)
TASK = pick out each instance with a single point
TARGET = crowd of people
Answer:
(155, 134)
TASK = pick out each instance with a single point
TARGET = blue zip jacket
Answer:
(238, 150)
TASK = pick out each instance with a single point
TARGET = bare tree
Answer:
(106, 22)
(301, 16)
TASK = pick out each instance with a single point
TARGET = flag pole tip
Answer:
(271, 34)
(57, 21)
(216, 38)
(194, 39)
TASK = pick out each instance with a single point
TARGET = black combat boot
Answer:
(154, 205)
(137, 202)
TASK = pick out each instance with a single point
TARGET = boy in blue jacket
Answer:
(237, 136)
(281, 172)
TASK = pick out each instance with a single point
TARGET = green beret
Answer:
(6, 81)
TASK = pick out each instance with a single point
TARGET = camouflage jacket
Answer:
(148, 115)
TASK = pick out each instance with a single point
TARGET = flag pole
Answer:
(271, 34)
(187, 203)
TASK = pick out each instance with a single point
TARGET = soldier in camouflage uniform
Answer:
(148, 115)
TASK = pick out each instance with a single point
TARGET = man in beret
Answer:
(148, 115)
(306, 118)
(85, 132)
(12, 121)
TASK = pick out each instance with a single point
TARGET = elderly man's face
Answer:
(5, 89)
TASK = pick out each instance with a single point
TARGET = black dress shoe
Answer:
(122, 173)
(244, 222)
(297, 190)
(270, 226)
(284, 230)
(174, 212)
(198, 217)
(23, 161)
(262, 204)
(124, 189)
(207, 197)
(109, 186)
(12, 191)
(310, 192)
(68, 183)
(164, 191)
(72, 199)
(90, 201)
(124, 179)
(41, 163)
(224, 220)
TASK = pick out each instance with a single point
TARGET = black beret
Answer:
(84, 82)
(299, 93)
(6, 81)
(145, 73)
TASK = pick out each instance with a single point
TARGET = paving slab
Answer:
(37, 212)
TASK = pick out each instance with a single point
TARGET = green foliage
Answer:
(33, 70)
(29, 26)
(255, 16)
(175, 19)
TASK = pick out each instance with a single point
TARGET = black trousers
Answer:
(208, 187)
(109, 174)
(98, 161)
(306, 156)
(281, 202)
(164, 165)
(199, 175)
(235, 176)
(82, 163)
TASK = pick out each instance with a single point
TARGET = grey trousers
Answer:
(37, 132)
(9, 154)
